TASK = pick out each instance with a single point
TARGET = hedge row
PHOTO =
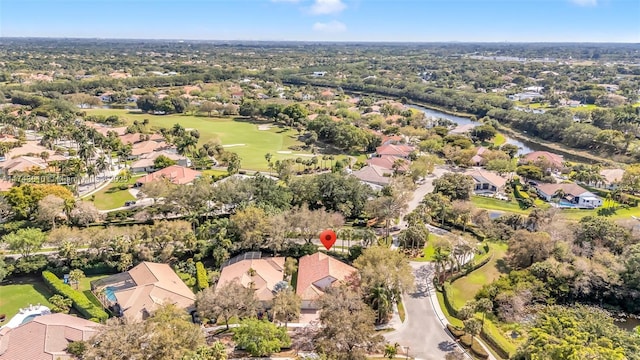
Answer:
(519, 194)
(466, 341)
(468, 270)
(80, 300)
(202, 280)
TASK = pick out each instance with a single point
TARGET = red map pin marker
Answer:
(328, 238)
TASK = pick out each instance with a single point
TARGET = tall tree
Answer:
(347, 326)
(231, 299)
(25, 241)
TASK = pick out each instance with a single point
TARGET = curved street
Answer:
(422, 332)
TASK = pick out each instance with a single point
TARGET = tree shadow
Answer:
(502, 266)
(447, 346)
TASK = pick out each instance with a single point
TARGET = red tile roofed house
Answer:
(393, 139)
(29, 147)
(374, 176)
(388, 162)
(545, 159)
(317, 272)
(22, 164)
(260, 274)
(486, 181)
(103, 129)
(573, 193)
(147, 147)
(141, 290)
(177, 174)
(146, 162)
(46, 337)
(612, 178)
(401, 150)
(477, 159)
(133, 138)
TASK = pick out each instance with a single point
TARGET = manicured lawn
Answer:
(240, 136)
(212, 172)
(577, 214)
(111, 197)
(487, 203)
(453, 320)
(465, 288)
(499, 139)
(428, 249)
(21, 293)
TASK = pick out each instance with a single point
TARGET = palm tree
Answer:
(346, 234)
(268, 157)
(92, 171)
(559, 195)
(439, 258)
(101, 163)
(381, 300)
(87, 151)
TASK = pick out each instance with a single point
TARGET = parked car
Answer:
(129, 203)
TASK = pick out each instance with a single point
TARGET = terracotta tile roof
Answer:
(481, 175)
(45, 337)
(395, 150)
(30, 147)
(387, 161)
(267, 273)
(23, 163)
(177, 174)
(148, 159)
(554, 159)
(316, 272)
(612, 176)
(147, 286)
(373, 174)
(103, 129)
(569, 189)
(147, 147)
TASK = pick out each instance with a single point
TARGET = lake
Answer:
(523, 147)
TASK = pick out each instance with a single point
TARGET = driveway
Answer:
(422, 331)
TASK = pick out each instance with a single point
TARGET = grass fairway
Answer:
(499, 139)
(241, 137)
(22, 292)
(111, 197)
(465, 288)
(429, 249)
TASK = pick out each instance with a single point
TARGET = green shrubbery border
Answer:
(80, 300)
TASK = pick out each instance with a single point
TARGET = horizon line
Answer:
(320, 41)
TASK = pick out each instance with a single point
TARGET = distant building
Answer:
(319, 73)
(486, 181)
(546, 160)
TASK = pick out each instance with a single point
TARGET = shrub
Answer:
(80, 300)
(456, 332)
(478, 350)
(202, 279)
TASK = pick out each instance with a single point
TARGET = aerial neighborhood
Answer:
(195, 200)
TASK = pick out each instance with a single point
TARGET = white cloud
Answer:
(585, 2)
(323, 7)
(286, 1)
(330, 27)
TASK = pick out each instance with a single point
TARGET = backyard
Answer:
(22, 292)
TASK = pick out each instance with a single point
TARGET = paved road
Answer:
(422, 331)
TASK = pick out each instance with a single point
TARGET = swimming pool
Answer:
(108, 292)
(565, 203)
(29, 318)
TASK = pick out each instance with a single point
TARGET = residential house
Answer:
(486, 181)
(260, 274)
(22, 164)
(399, 150)
(31, 148)
(177, 174)
(45, 337)
(104, 130)
(573, 195)
(393, 139)
(544, 159)
(612, 177)
(106, 97)
(316, 273)
(477, 159)
(237, 95)
(146, 162)
(462, 129)
(135, 294)
(390, 162)
(134, 138)
(375, 176)
(147, 147)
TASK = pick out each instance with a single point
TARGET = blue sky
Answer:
(327, 20)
